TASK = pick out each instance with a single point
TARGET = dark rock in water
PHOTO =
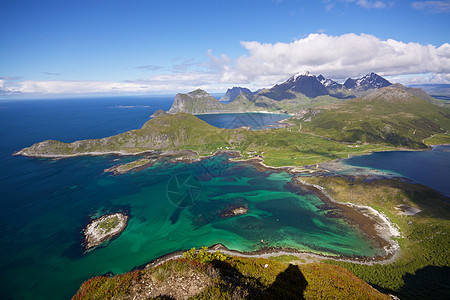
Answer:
(234, 211)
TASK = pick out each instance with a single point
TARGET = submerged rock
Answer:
(234, 211)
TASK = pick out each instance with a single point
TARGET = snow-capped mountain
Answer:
(328, 83)
(370, 81)
(311, 86)
(304, 83)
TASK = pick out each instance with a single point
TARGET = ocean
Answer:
(46, 203)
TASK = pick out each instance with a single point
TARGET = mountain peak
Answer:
(232, 93)
(369, 81)
(301, 74)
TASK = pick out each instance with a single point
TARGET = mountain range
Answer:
(299, 91)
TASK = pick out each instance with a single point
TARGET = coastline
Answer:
(246, 112)
(373, 223)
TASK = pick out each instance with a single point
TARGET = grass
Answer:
(110, 223)
(281, 147)
(399, 122)
(238, 278)
(421, 271)
(285, 258)
(438, 139)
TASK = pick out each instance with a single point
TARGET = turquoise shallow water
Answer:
(48, 242)
(46, 203)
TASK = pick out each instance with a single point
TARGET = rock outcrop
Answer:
(103, 229)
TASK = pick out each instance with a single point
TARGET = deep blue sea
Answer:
(46, 203)
(431, 168)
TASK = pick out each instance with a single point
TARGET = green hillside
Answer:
(215, 276)
(422, 269)
(165, 132)
(182, 131)
(389, 116)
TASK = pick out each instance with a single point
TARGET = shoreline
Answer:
(372, 223)
(356, 215)
(246, 112)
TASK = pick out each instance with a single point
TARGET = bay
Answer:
(431, 168)
(46, 203)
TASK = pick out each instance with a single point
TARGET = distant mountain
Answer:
(301, 91)
(370, 81)
(304, 83)
(328, 83)
(200, 102)
(232, 93)
(195, 102)
(434, 89)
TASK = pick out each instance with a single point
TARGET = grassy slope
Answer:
(390, 116)
(237, 278)
(438, 139)
(164, 132)
(282, 147)
(289, 147)
(422, 269)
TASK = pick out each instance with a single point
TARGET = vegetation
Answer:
(438, 139)
(289, 147)
(226, 277)
(109, 223)
(421, 271)
(278, 147)
(390, 116)
(285, 258)
(103, 287)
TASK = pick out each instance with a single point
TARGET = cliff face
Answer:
(195, 102)
(232, 93)
(160, 133)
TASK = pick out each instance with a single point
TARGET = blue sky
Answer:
(165, 46)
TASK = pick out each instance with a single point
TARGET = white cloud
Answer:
(371, 4)
(264, 64)
(433, 6)
(337, 57)
(368, 4)
(421, 79)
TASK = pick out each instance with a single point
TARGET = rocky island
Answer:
(103, 229)
(234, 211)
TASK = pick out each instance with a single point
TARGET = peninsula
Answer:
(388, 117)
(330, 121)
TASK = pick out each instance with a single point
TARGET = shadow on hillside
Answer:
(289, 284)
(417, 286)
(431, 202)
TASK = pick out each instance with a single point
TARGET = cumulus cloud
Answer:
(433, 6)
(264, 64)
(338, 57)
